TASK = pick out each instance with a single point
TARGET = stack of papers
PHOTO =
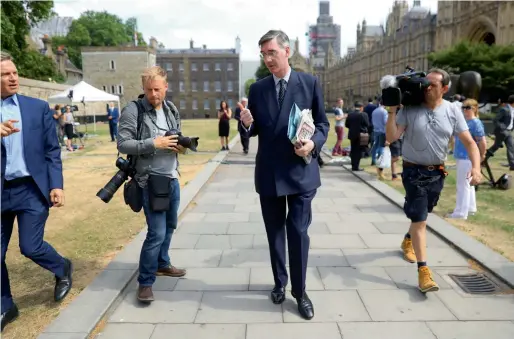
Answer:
(301, 127)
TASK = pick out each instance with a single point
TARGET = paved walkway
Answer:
(360, 286)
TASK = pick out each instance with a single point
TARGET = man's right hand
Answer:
(7, 128)
(246, 116)
(169, 142)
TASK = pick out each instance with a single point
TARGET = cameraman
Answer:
(157, 174)
(427, 129)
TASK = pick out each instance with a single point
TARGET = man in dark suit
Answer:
(31, 182)
(282, 178)
(113, 115)
(503, 126)
(243, 133)
(357, 122)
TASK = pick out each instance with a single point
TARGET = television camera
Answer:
(407, 89)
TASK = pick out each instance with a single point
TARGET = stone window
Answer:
(218, 86)
(230, 103)
(218, 66)
(206, 105)
(181, 86)
(195, 104)
(170, 87)
(112, 65)
(120, 89)
(169, 67)
(206, 86)
(182, 104)
(113, 89)
(193, 67)
(194, 86)
(104, 88)
(230, 67)
(181, 67)
(230, 86)
(206, 67)
(218, 102)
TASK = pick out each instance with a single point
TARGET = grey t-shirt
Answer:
(339, 112)
(428, 132)
(164, 162)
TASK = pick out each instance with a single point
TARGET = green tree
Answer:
(248, 83)
(17, 17)
(494, 63)
(97, 29)
(262, 71)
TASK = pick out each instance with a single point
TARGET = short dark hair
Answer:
(510, 100)
(446, 76)
(282, 38)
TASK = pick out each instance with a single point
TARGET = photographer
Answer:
(157, 174)
(427, 129)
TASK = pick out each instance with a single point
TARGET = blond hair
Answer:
(154, 73)
(473, 103)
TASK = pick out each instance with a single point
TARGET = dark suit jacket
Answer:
(502, 120)
(41, 146)
(357, 123)
(279, 171)
(115, 114)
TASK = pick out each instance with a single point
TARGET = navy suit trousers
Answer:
(296, 224)
(26, 203)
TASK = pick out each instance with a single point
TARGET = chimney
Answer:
(154, 43)
(191, 44)
(47, 43)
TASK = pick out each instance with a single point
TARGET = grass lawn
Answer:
(87, 230)
(493, 225)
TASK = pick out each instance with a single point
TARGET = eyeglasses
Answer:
(271, 54)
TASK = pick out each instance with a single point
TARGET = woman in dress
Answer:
(68, 127)
(224, 115)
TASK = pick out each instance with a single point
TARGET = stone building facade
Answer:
(406, 40)
(409, 37)
(200, 78)
(117, 69)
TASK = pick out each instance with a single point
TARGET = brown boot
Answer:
(408, 250)
(171, 271)
(426, 281)
(145, 294)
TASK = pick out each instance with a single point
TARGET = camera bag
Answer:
(132, 192)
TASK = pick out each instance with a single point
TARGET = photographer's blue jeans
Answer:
(378, 146)
(161, 225)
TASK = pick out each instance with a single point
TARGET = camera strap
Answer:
(140, 116)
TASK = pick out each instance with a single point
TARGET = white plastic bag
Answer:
(384, 160)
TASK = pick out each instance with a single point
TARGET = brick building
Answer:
(199, 78)
(117, 69)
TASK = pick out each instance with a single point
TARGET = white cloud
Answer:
(217, 23)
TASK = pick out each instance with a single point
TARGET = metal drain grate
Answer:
(475, 283)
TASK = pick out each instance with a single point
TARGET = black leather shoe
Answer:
(9, 316)
(305, 307)
(278, 295)
(63, 285)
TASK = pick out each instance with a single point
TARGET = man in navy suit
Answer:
(31, 182)
(282, 178)
(113, 115)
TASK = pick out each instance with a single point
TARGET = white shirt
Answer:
(511, 125)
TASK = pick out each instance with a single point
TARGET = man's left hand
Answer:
(178, 149)
(476, 176)
(305, 148)
(57, 197)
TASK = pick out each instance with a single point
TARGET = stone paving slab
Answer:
(357, 279)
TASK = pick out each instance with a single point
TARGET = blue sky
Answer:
(217, 23)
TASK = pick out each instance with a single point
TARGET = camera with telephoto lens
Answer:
(407, 89)
(126, 170)
(186, 142)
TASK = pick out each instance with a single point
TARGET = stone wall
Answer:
(43, 90)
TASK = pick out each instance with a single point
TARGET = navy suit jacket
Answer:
(115, 114)
(41, 146)
(279, 171)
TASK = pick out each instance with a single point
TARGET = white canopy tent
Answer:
(83, 92)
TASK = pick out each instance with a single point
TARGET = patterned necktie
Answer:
(281, 93)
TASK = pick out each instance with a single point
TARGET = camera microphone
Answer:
(391, 94)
